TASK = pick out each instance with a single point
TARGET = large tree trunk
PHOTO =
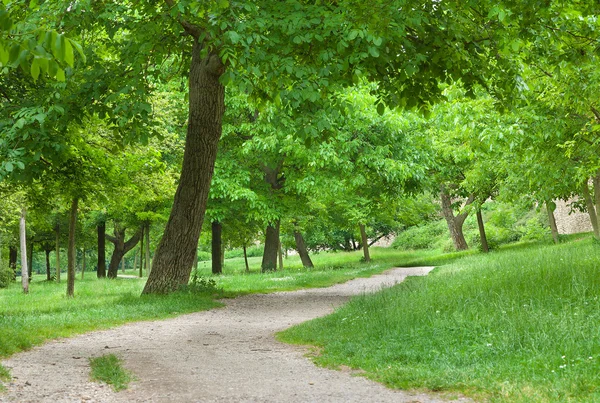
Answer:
(12, 260)
(57, 252)
(553, 228)
(101, 273)
(301, 248)
(365, 243)
(48, 273)
(174, 256)
(269, 260)
(482, 235)
(455, 224)
(23, 244)
(71, 251)
(589, 204)
(217, 264)
(121, 248)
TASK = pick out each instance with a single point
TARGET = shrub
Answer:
(204, 256)
(6, 275)
(251, 251)
(426, 236)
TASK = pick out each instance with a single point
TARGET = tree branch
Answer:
(192, 30)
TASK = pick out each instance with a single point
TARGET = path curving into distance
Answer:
(222, 355)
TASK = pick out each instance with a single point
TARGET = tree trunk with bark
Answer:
(71, 251)
(550, 206)
(174, 256)
(302, 251)
(269, 260)
(591, 209)
(217, 266)
(280, 255)
(455, 224)
(135, 259)
(57, 252)
(246, 258)
(596, 184)
(48, 268)
(482, 236)
(365, 243)
(83, 262)
(148, 258)
(23, 244)
(101, 273)
(142, 261)
(121, 248)
(30, 260)
(12, 260)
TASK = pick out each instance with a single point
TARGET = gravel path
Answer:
(222, 355)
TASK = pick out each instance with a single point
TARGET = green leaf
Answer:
(35, 69)
(380, 108)
(8, 166)
(69, 53)
(60, 75)
(501, 15)
(58, 48)
(79, 49)
(3, 55)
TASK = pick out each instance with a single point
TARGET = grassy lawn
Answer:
(45, 313)
(518, 325)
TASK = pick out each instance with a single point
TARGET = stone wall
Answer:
(570, 222)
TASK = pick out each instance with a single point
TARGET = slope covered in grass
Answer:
(516, 325)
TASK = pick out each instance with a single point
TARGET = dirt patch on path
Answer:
(222, 355)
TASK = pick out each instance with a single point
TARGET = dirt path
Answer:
(223, 355)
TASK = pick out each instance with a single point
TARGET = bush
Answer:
(251, 251)
(534, 230)
(426, 236)
(204, 256)
(6, 275)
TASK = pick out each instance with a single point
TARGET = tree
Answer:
(231, 46)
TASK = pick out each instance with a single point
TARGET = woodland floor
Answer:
(222, 355)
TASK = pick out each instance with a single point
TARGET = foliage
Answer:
(6, 275)
(424, 236)
(511, 326)
(504, 224)
(109, 369)
(201, 285)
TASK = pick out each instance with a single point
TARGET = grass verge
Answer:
(45, 313)
(109, 369)
(517, 325)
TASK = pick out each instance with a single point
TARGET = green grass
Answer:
(109, 369)
(45, 313)
(517, 325)
(4, 377)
